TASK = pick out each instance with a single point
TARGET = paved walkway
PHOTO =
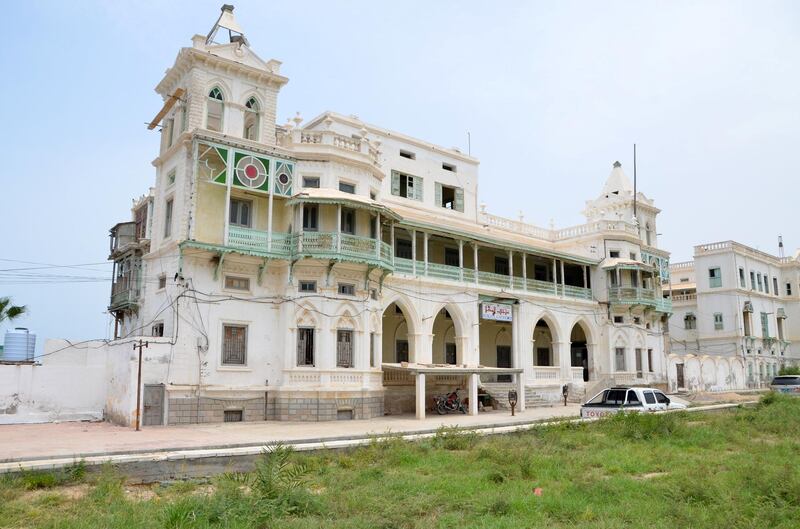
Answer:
(31, 442)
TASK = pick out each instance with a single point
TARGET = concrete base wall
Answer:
(281, 406)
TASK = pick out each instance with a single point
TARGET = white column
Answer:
(562, 279)
(585, 277)
(461, 260)
(425, 251)
(391, 235)
(338, 228)
(563, 358)
(520, 391)
(510, 269)
(420, 395)
(269, 216)
(414, 252)
(475, 261)
(229, 182)
(555, 279)
(473, 393)
(524, 272)
(378, 236)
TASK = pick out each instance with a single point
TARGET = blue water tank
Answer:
(19, 345)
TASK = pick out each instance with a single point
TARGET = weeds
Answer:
(454, 438)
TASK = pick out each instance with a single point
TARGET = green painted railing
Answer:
(257, 241)
(639, 296)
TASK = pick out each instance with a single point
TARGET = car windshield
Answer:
(610, 397)
(786, 381)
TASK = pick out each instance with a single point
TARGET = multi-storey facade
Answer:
(334, 269)
(735, 322)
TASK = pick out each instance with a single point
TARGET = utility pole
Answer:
(141, 345)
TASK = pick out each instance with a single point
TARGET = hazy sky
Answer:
(551, 92)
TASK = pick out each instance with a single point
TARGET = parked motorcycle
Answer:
(448, 403)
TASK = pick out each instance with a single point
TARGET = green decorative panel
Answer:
(251, 172)
(284, 176)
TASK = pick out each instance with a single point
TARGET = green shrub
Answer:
(454, 438)
(644, 426)
(789, 370)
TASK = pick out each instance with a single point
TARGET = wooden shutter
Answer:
(418, 184)
(459, 205)
(395, 183)
(438, 194)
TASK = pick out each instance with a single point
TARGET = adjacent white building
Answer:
(736, 317)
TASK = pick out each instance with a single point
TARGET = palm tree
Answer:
(9, 312)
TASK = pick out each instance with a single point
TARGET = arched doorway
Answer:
(579, 350)
(396, 341)
(544, 353)
(445, 347)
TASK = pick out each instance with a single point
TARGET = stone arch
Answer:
(724, 374)
(413, 319)
(399, 330)
(546, 339)
(222, 85)
(581, 344)
(306, 315)
(348, 317)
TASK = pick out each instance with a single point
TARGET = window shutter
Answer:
(395, 183)
(459, 206)
(418, 185)
(438, 194)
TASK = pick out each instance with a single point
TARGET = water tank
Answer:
(19, 345)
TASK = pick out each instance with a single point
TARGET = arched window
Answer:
(214, 110)
(251, 120)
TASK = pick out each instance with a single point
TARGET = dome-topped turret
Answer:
(617, 183)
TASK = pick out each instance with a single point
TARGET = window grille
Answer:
(234, 345)
(305, 346)
(344, 348)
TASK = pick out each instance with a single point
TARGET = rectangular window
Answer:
(718, 326)
(237, 283)
(788, 289)
(450, 353)
(619, 355)
(408, 155)
(372, 349)
(450, 197)
(234, 344)
(760, 283)
(344, 348)
(689, 322)
(310, 217)
(752, 281)
(451, 256)
(650, 367)
(775, 285)
(501, 265)
(619, 319)
(766, 283)
(232, 416)
(305, 346)
(714, 277)
(162, 281)
(311, 181)
(347, 289)
(308, 286)
(742, 282)
(240, 213)
(214, 115)
(638, 360)
(449, 167)
(764, 325)
(157, 329)
(403, 249)
(401, 351)
(633, 256)
(167, 131)
(171, 177)
(349, 221)
(614, 254)
(347, 187)
(407, 186)
(168, 219)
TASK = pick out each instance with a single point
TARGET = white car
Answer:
(789, 384)
(615, 400)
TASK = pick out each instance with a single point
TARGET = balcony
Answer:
(490, 279)
(123, 296)
(639, 296)
(316, 245)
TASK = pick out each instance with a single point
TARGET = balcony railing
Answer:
(467, 275)
(122, 297)
(546, 375)
(311, 244)
(639, 296)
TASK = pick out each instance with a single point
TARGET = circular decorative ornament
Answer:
(251, 172)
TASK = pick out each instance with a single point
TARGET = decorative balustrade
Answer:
(546, 375)
(624, 378)
(577, 374)
(345, 377)
(331, 139)
(393, 377)
(684, 297)
(560, 234)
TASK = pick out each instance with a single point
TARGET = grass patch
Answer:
(734, 468)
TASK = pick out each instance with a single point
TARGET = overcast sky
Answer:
(551, 92)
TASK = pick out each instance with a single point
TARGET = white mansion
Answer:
(737, 314)
(335, 269)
